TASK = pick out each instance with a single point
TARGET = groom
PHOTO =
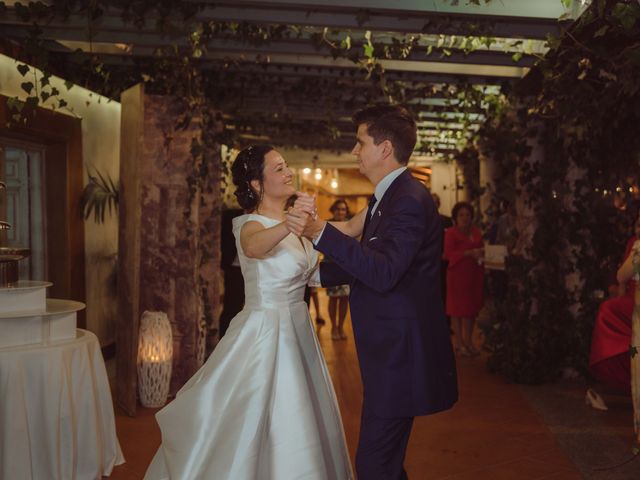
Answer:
(400, 329)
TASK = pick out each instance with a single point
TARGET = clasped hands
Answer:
(302, 219)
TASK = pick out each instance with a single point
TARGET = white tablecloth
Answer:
(56, 413)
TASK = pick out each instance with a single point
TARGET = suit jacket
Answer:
(400, 329)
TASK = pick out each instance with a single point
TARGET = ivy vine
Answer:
(580, 105)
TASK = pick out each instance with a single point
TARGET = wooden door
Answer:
(52, 213)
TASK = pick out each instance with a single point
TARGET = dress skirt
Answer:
(261, 407)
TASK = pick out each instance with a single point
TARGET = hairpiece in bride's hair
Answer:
(249, 151)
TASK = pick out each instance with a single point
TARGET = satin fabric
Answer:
(56, 412)
(262, 406)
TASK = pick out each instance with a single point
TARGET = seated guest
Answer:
(609, 357)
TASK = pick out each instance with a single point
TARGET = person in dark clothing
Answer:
(233, 281)
(446, 223)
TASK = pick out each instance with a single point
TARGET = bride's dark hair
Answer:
(248, 166)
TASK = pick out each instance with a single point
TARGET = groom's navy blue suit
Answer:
(400, 329)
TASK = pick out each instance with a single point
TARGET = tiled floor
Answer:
(492, 433)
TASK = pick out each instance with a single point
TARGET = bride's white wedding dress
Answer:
(262, 406)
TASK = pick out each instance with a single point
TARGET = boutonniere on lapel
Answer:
(379, 213)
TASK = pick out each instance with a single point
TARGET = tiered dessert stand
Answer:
(56, 412)
(28, 317)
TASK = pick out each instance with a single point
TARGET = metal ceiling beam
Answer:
(346, 73)
(146, 44)
(368, 18)
(296, 13)
(544, 9)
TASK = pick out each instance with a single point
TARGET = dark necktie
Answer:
(372, 202)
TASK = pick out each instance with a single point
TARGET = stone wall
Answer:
(178, 233)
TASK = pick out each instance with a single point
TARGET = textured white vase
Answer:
(155, 356)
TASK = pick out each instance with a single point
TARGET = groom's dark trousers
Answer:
(400, 330)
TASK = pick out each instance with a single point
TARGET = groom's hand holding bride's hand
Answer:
(302, 218)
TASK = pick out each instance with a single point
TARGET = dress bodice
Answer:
(280, 277)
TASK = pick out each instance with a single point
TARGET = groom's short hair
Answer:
(393, 123)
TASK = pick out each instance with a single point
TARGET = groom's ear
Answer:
(387, 148)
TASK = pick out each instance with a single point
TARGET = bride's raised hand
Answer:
(306, 203)
(297, 220)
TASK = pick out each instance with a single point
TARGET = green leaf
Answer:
(625, 14)
(565, 17)
(99, 195)
(23, 69)
(31, 102)
(602, 5)
(516, 57)
(601, 31)
(368, 50)
(27, 87)
(15, 104)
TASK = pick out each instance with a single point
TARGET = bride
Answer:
(262, 406)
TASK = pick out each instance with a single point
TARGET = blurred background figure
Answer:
(502, 232)
(311, 295)
(609, 356)
(446, 223)
(464, 249)
(233, 299)
(339, 295)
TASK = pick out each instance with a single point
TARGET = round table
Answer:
(56, 412)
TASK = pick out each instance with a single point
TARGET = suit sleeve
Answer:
(381, 262)
(331, 275)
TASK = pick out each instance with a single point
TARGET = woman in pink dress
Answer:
(464, 249)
